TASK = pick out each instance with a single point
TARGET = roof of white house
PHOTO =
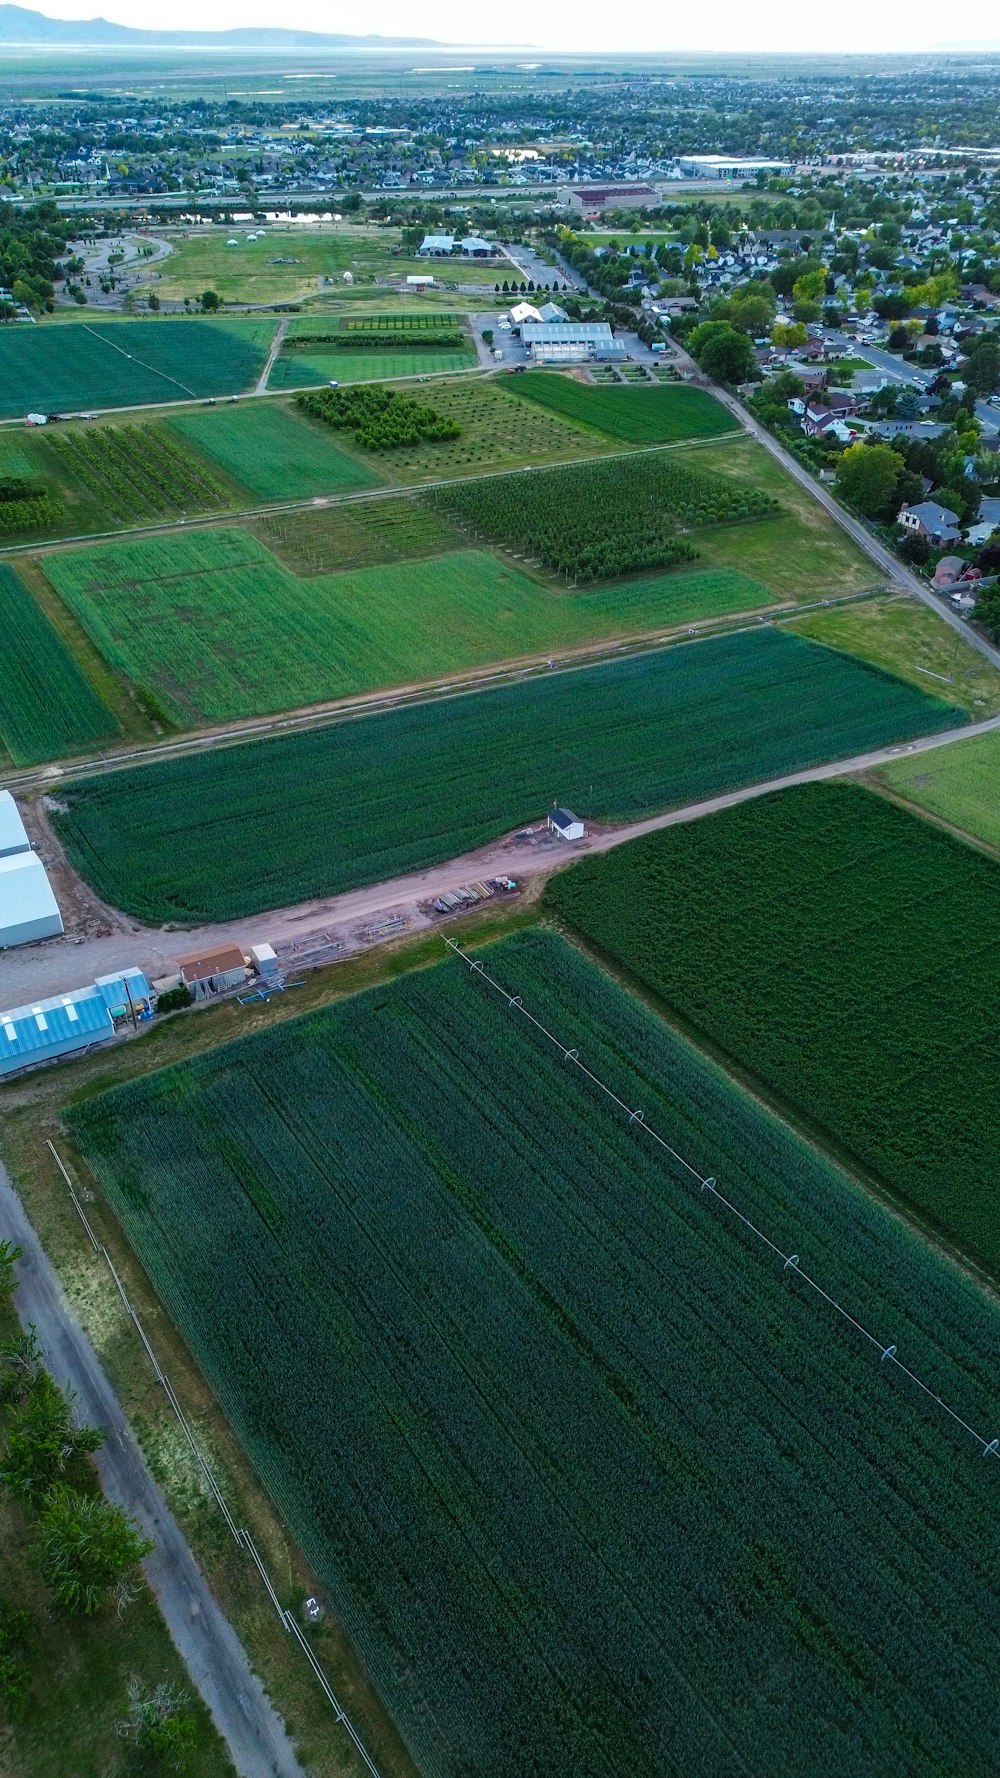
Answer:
(13, 837)
(524, 312)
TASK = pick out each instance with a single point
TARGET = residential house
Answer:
(936, 523)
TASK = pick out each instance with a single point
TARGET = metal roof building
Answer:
(553, 342)
(70, 1022)
(28, 908)
(13, 837)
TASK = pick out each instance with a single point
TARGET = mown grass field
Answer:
(961, 784)
(272, 453)
(299, 370)
(638, 416)
(274, 822)
(81, 364)
(626, 1502)
(248, 273)
(904, 636)
(47, 707)
(801, 556)
(841, 950)
(214, 626)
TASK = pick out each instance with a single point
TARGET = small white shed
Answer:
(565, 825)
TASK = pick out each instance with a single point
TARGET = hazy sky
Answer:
(726, 27)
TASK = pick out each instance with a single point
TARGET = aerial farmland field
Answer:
(273, 453)
(961, 784)
(841, 951)
(638, 416)
(635, 1501)
(80, 364)
(592, 521)
(325, 364)
(904, 636)
(277, 821)
(47, 707)
(498, 432)
(214, 626)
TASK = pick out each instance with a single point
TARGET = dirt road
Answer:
(52, 967)
(203, 1637)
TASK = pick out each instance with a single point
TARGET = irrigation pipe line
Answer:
(287, 1619)
(790, 1261)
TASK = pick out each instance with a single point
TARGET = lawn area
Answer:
(272, 453)
(905, 636)
(841, 950)
(638, 416)
(80, 364)
(213, 626)
(277, 821)
(611, 1492)
(960, 783)
(299, 370)
(47, 707)
(801, 556)
(253, 271)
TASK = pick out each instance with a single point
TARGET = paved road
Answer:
(205, 1640)
(53, 967)
(917, 376)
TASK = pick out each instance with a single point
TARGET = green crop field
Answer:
(272, 453)
(842, 950)
(214, 626)
(47, 707)
(387, 322)
(81, 364)
(325, 364)
(960, 784)
(498, 432)
(273, 822)
(319, 540)
(596, 1486)
(280, 265)
(641, 416)
(594, 521)
(137, 472)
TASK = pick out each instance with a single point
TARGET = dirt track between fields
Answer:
(334, 926)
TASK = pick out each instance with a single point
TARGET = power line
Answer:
(706, 1183)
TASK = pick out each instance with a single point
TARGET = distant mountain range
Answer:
(19, 25)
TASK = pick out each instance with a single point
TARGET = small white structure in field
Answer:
(348, 277)
(420, 281)
(565, 825)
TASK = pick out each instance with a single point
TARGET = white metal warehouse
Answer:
(28, 908)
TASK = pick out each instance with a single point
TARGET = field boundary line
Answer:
(240, 1533)
(708, 1183)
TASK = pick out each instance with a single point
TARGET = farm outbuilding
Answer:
(13, 837)
(213, 972)
(565, 825)
(71, 1022)
(28, 908)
